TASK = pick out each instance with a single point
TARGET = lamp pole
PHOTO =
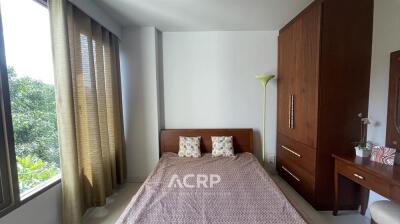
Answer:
(264, 79)
(263, 126)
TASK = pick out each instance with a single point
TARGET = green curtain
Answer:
(89, 115)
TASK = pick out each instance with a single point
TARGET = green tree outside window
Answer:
(34, 121)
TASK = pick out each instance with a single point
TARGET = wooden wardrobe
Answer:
(323, 84)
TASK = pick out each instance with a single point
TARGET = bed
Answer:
(209, 189)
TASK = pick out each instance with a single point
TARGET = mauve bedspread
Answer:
(209, 190)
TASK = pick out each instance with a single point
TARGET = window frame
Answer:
(9, 188)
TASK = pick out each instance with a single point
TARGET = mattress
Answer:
(209, 190)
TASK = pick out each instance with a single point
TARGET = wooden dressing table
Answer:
(381, 178)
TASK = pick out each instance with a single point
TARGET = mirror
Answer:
(393, 118)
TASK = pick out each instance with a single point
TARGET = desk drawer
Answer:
(298, 178)
(363, 178)
(294, 152)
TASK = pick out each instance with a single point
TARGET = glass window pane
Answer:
(27, 40)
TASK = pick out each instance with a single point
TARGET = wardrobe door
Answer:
(286, 73)
(305, 84)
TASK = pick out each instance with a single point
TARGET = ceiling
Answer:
(204, 15)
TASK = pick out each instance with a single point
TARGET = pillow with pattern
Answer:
(189, 147)
(222, 145)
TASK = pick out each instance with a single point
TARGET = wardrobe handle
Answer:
(291, 151)
(292, 112)
(291, 174)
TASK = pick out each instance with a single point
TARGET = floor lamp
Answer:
(264, 79)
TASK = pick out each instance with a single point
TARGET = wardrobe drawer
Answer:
(298, 178)
(297, 153)
(363, 178)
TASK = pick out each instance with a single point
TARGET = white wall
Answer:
(44, 209)
(138, 51)
(386, 39)
(209, 81)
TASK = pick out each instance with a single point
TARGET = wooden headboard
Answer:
(242, 139)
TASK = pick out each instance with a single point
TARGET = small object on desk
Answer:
(382, 154)
(363, 147)
(368, 175)
(397, 159)
(362, 152)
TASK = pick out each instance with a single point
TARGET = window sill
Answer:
(31, 194)
(36, 191)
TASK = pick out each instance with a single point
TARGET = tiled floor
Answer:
(116, 204)
(118, 201)
(314, 216)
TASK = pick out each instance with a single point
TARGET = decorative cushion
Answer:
(382, 154)
(189, 147)
(222, 145)
(385, 212)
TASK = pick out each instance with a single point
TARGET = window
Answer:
(29, 151)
